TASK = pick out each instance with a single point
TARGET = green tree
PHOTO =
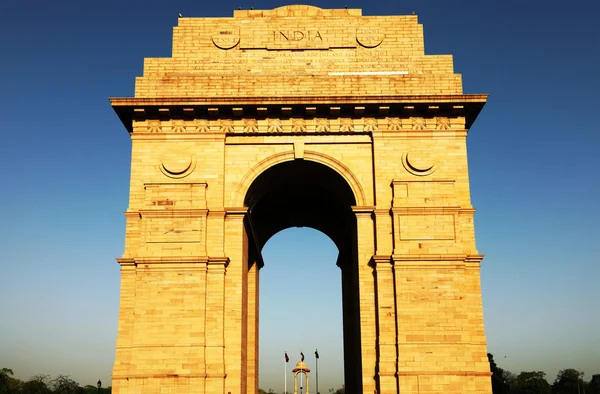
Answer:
(499, 378)
(9, 384)
(594, 385)
(568, 381)
(38, 384)
(5, 375)
(532, 383)
(64, 385)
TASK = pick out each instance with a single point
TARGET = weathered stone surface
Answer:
(300, 116)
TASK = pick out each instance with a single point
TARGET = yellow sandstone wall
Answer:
(189, 299)
(326, 42)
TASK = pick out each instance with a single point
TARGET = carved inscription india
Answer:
(297, 35)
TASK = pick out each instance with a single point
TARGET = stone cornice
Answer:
(363, 209)
(438, 257)
(132, 261)
(432, 210)
(426, 261)
(422, 106)
(444, 373)
(173, 213)
(230, 211)
(181, 262)
(164, 376)
(332, 100)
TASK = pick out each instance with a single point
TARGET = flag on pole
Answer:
(287, 359)
(316, 353)
(301, 356)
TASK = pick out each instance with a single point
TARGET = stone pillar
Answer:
(252, 344)
(384, 232)
(387, 346)
(236, 298)
(126, 320)
(368, 330)
(441, 342)
(215, 325)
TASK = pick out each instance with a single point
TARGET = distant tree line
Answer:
(568, 381)
(43, 384)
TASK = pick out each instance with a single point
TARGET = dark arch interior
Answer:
(303, 193)
(300, 193)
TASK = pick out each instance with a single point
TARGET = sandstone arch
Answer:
(345, 100)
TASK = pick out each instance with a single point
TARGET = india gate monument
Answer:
(290, 117)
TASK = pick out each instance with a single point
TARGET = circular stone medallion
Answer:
(369, 37)
(418, 167)
(177, 166)
(226, 37)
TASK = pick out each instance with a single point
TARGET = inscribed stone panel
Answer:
(424, 193)
(426, 227)
(174, 229)
(176, 195)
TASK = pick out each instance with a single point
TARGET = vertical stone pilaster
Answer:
(215, 236)
(387, 330)
(133, 222)
(126, 323)
(252, 346)
(215, 325)
(383, 231)
(236, 297)
(368, 330)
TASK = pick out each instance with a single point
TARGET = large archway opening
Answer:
(300, 310)
(303, 193)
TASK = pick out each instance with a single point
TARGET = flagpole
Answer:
(301, 374)
(317, 361)
(285, 361)
(285, 377)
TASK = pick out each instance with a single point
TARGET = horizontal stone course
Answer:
(355, 95)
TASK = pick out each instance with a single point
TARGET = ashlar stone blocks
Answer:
(300, 116)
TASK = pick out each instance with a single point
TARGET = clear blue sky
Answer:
(533, 155)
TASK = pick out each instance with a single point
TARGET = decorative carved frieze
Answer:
(370, 124)
(274, 126)
(305, 124)
(250, 126)
(322, 126)
(442, 123)
(178, 126)
(299, 126)
(394, 124)
(418, 123)
(202, 125)
(154, 126)
(346, 124)
(226, 126)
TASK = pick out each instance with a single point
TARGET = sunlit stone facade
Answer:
(300, 116)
